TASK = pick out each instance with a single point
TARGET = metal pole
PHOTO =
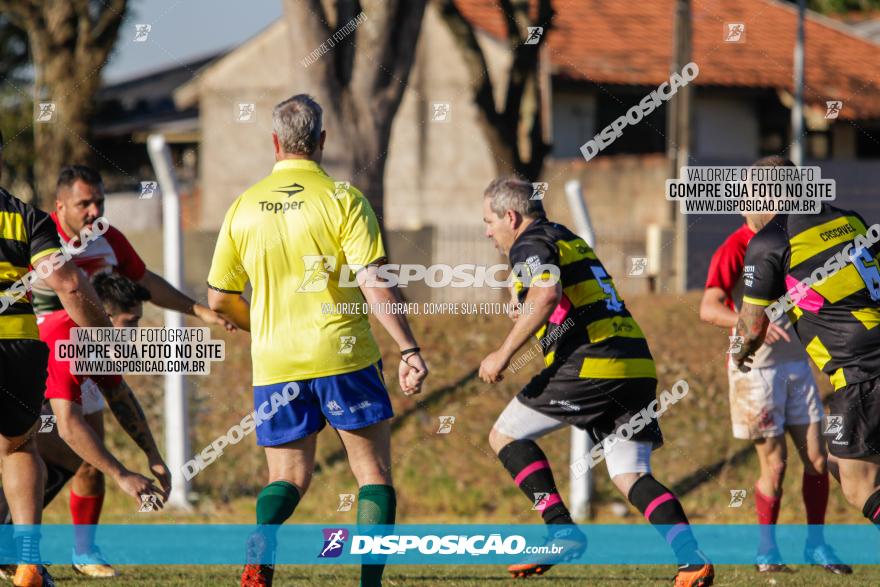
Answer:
(177, 447)
(679, 133)
(581, 490)
(797, 108)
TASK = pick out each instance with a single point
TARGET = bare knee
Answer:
(498, 440)
(89, 479)
(301, 479)
(774, 472)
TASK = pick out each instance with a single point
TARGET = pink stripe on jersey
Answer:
(550, 500)
(811, 300)
(559, 314)
(658, 501)
(874, 517)
(529, 469)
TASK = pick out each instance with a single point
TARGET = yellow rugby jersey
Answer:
(295, 236)
(590, 330)
(26, 236)
(835, 319)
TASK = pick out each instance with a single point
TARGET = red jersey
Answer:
(60, 382)
(109, 252)
(726, 273)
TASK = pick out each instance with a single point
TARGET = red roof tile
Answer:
(617, 42)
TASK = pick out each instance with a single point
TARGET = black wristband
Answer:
(411, 351)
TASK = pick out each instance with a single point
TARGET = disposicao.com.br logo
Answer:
(402, 544)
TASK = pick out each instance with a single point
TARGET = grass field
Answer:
(471, 576)
(454, 478)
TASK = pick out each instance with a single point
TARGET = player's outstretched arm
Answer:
(752, 327)
(127, 411)
(76, 432)
(165, 295)
(541, 300)
(412, 370)
(77, 295)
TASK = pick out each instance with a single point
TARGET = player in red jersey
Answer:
(79, 203)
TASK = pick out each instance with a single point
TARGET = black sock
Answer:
(527, 464)
(662, 509)
(871, 509)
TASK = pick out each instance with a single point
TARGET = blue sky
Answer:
(184, 29)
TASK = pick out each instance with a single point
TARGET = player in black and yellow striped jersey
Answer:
(28, 239)
(835, 310)
(599, 376)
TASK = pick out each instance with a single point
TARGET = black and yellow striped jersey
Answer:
(28, 234)
(836, 318)
(591, 325)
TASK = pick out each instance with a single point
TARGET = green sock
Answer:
(275, 504)
(377, 504)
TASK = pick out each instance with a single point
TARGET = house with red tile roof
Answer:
(604, 56)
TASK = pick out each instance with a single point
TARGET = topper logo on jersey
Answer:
(20, 288)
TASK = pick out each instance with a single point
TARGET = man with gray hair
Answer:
(599, 376)
(291, 235)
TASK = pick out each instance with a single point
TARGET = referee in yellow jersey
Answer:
(296, 236)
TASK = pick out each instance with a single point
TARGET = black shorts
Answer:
(22, 384)
(852, 426)
(598, 406)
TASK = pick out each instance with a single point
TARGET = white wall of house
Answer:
(725, 127)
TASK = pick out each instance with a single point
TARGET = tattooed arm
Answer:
(752, 327)
(127, 411)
